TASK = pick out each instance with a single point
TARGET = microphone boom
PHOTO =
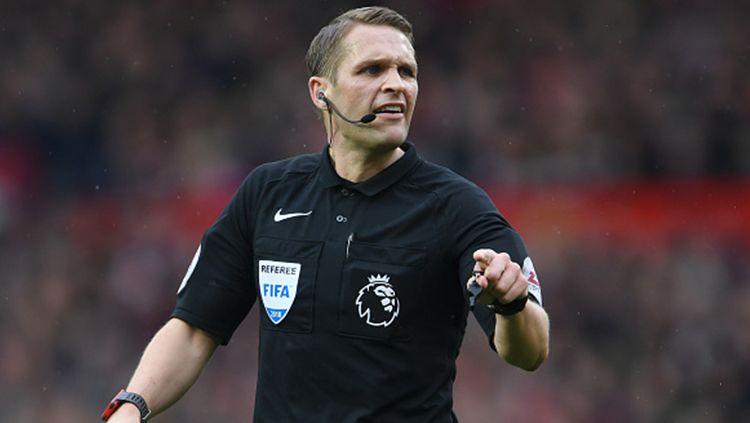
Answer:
(363, 120)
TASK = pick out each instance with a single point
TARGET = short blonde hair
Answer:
(324, 54)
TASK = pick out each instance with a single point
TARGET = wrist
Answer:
(509, 309)
(127, 411)
(132, 401)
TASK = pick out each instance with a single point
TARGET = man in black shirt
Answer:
(365, 260)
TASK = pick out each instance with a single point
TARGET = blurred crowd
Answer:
(125, 126)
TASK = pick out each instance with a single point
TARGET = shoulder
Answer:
(301, 166)
(460, 200)
(443, 182)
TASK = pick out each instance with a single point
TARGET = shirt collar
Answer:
(387, 177)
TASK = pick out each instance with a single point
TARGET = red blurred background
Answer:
(614, 136)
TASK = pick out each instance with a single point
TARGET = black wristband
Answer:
(122, 397)
(511, 308)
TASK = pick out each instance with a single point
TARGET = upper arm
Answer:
(479, 224)
(218, 290)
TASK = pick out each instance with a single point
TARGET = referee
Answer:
(365, 261)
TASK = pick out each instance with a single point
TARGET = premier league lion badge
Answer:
(377, 302)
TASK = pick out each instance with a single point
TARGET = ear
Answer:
(315, 86)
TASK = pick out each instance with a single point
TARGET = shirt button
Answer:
(346, 192)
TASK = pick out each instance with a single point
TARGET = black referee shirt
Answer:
(361, 286)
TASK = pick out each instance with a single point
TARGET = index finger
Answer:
(484, 255)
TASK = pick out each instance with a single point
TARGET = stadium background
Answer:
(615, 135)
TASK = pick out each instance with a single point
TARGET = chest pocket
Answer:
(285, 274)
(380, 291)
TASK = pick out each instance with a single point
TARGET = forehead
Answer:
(375, 42)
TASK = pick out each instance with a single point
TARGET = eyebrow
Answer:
(381, 60)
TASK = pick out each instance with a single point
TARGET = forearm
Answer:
(171, 363)
(523, 339)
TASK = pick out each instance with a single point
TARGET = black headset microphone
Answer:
(364, 119)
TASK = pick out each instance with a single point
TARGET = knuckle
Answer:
(490, 272)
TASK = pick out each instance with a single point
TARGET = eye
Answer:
(372, 70)
(406, 71)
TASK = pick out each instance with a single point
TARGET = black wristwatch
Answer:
(511, 308)
(122, 397)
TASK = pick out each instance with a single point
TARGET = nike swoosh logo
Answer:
(278, 217)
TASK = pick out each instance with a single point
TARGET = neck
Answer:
(360, 165)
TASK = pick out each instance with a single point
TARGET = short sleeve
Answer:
(480, 225)
(218, 291)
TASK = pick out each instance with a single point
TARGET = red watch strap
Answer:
(122, 397)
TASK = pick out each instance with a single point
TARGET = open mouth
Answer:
(393, 109)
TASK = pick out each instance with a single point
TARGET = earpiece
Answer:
(321, 95)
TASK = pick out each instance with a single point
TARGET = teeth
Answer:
(391, 109)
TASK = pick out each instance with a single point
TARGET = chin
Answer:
(383, 141)
(394, 138)
(391, 143)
